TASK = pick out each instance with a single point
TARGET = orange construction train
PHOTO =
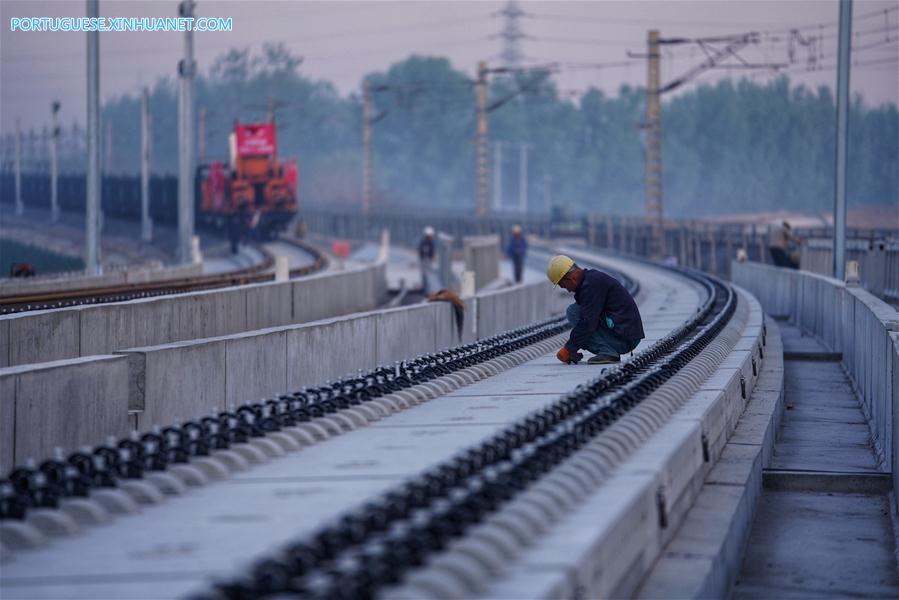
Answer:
(254, 186)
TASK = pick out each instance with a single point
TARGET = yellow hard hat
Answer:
(558, 266)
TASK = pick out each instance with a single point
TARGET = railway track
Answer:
(374, 546)
(132, 291)
(377, 545)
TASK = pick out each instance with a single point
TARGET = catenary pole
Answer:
(92, 212)
(839, 204)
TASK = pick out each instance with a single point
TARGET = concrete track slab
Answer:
(473, 409)
(184, 541)
(171, 541)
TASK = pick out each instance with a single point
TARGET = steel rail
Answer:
(131, 291)
(29, 487)
(33, 487)
(377, 544)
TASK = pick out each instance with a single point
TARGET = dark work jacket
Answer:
(604, 302)
(426, 248)
(517, 247)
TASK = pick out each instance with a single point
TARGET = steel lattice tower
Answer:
(512, 34)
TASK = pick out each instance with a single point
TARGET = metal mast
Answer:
(654, 211)
(17, 158)
(54, 167)
(839, 203)
(186, 69)
(146, 226)
(482, 172)
(92, 216)
(497, 175)
(366, 146)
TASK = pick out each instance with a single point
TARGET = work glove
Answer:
(567, 357)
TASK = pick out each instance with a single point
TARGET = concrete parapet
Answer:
(182, 380)
(482, 256)
(878, 262)
(513, 307)
(894, 338)
(78, 281)
(99, 329)
(4, 344)
(848, 320)
(66, 404)
(338, 293)
(267, 305)
(446, 334)
(327, 350)
(45, 336)
(255, 366)
(408, 332)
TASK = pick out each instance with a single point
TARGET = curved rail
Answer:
(28, 487)
(377, 544)
(132, 291)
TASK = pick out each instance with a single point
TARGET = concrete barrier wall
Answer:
(849, 320)
(77, 280)
(482, 256)
(515, 306)
(65, 404)
(189, 379)
(878, 262)
(100, 329)
(43, 336)
(894, 337)
(349, 343)
(182, 380)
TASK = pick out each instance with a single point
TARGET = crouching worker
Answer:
(604, 317)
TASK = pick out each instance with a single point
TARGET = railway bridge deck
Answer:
(440, 484)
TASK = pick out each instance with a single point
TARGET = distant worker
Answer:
(237, 226)
(516, 251)
(235, 229)
(426, 251)
(426, 246)
(780, 236)
(300, 229)
(605, 319)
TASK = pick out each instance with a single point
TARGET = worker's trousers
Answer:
(518, 267)
(604, 340)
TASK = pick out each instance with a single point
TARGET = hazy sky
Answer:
(341, 41)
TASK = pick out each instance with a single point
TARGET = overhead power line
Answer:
(769, 26)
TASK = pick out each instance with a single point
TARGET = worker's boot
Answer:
(603, 359)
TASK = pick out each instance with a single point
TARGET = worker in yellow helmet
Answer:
(604, 318)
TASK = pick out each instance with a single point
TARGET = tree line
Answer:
(731, 146)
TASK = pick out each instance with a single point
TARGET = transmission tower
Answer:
(512, 34)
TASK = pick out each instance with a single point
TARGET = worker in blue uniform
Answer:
(516, 250)
(604, 318)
